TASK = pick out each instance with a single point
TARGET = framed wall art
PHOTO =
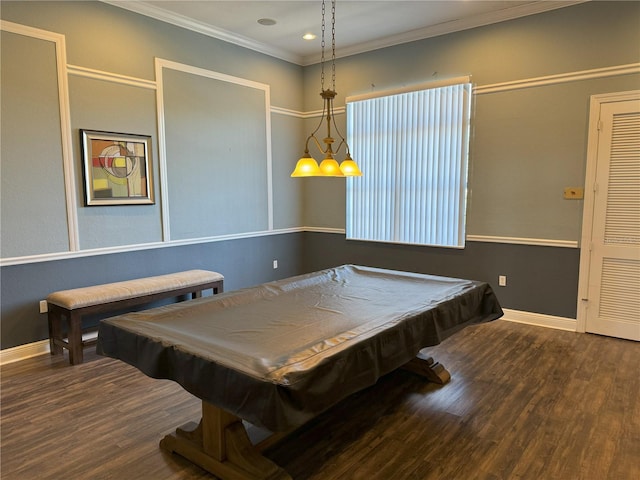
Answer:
(117, 168)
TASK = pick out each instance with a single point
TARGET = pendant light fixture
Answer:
(329, 167)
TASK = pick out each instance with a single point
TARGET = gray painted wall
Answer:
(225, 154)
(216, 156)
(244, 263)
(112, 107)
(528, 144)
(31, 149)
(207, 195)
(539, 279)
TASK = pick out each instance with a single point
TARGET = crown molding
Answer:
(505, 14)
(458, 25)
(190, 24)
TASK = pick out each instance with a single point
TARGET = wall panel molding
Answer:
(541, 242)
(110, 77)
(311, 114)
(65, 69)
(287, 112)
(160, 66)
(559, 78)
(547, 80)
(65, 120)
(49, 257)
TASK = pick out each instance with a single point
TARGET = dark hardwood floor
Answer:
(524, 402)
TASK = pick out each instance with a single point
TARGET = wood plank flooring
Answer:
(524, 402)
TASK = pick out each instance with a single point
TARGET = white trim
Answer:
(595, 105)
(303, 115)
(539, 319)
(29, 31)
(196, 26)
(409, 88)
(267, 109)
(162, 152)
(319, 113)
(161, 63)
(587, 211)
(556, 79)
(22, 352)
(543, 242)
(203, 72)
(489, 18)
(50, 257)
(67, 146)
(452, 26)
(339, 231)
(548, 80)
(286, 111)
(110, 77)
(65, 121)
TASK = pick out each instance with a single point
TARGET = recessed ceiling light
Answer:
(267, 22)
(309, 36)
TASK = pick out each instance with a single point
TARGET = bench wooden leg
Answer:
(198, 293)
(75, 339)
(55, 330)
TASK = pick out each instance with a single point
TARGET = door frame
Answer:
(595, 104)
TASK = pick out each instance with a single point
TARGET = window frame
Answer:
(406, 215)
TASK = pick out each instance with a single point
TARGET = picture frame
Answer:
(117, 168)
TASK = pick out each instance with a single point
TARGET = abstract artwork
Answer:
(117, 168)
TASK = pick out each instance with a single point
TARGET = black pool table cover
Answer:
(282, 352)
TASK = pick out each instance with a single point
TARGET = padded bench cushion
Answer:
(113, 292)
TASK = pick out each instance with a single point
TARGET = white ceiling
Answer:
(361, 25)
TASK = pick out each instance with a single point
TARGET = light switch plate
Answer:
(573, 193)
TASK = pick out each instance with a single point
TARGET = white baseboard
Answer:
(22, 352)
(540, 320)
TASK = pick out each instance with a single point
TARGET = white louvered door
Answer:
(614, 272)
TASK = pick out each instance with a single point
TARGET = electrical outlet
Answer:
(275, 264)
(502, 280)
(44, 308)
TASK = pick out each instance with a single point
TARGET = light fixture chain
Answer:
(329, 167)
(322, 43)
(333, 44)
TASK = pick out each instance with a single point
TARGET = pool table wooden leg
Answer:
(220, 445)
(424, 365)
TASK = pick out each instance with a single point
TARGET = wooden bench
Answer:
(76, 303)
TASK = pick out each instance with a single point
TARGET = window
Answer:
(412, 148)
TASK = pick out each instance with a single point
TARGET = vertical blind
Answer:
(413, 150)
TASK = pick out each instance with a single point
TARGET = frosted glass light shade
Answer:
(307, 167)
(350, 168)
(330, 168)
